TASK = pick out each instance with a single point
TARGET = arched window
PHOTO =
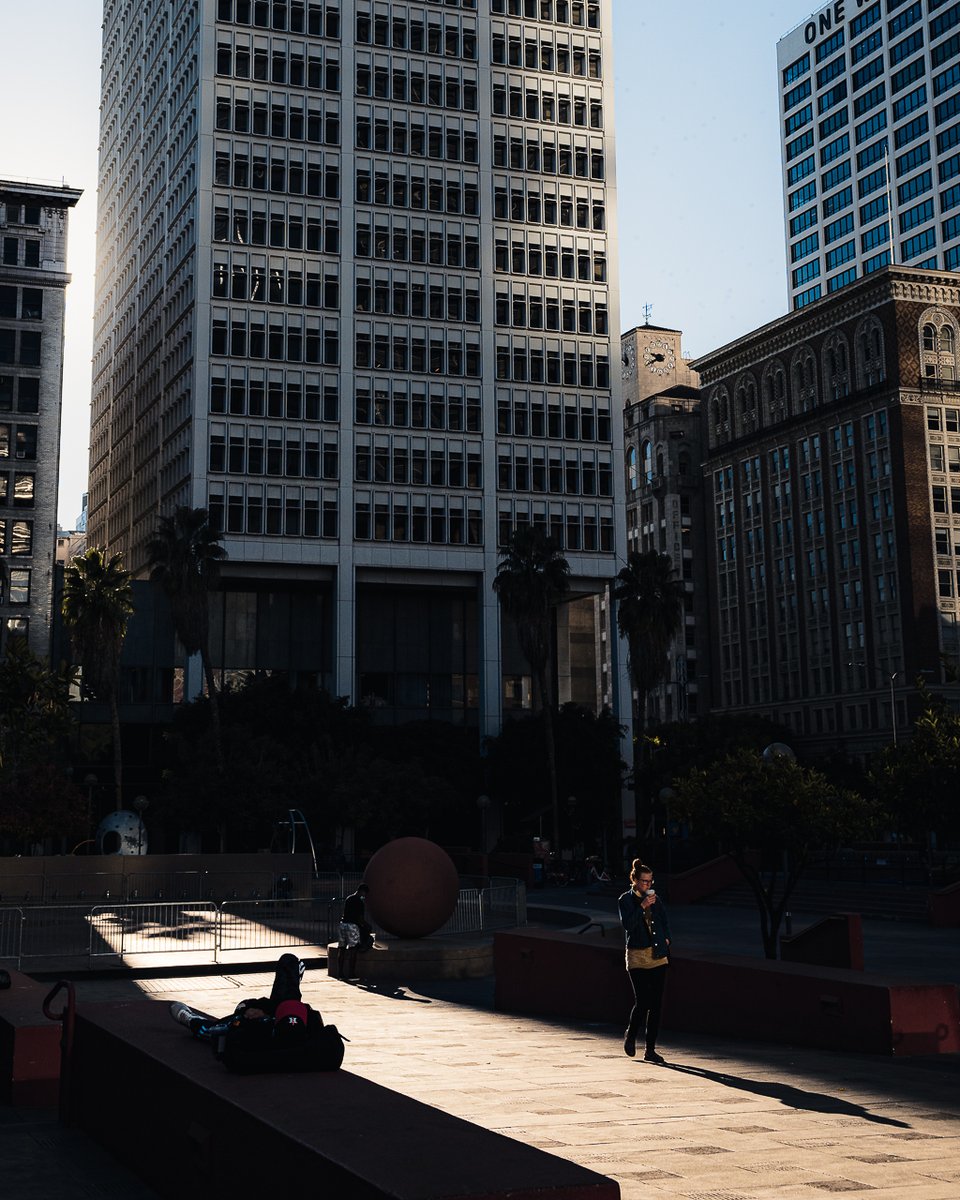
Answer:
(803, 381)
(938, 345)
(633, 477)
(869, 347)
(683, 462)
(774, 392)
(719, 410)
(659, 461)
(835, 357)
(746, 404)
(646, 453)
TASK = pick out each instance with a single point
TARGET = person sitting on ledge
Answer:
(354, 933)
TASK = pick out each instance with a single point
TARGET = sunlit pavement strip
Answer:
(723, 1120)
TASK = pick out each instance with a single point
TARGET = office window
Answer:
(946, 80)
(841, 280)
(914, 158)
(865, 74)
(917, 215)
(878, 236)
(798, 119)
(864, 20)
(876, 262)
(836, 120)
(912, 130)
(837, 202)
(919, 244)
(912, 100)
(796, 69)
(798, 198)
(905, 48)
(836, 175)
(830, 46)
(866, 129)
(841, 254)
(876, 208)
(834, 149)
(863, 104)
(837, 229)
(915, 187)
(946, 20)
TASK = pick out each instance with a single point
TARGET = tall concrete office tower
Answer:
(33, 281)
(357, 295)
(870, 130)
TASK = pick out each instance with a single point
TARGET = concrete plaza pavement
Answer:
(723, 1120)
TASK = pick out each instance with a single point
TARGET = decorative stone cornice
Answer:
(795, 329)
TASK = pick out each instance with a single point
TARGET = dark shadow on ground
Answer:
(788, 1095)
(392, 992)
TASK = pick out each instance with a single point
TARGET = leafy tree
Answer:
(304, 749)
(589, 770)
(769, 816)
(532, 579)
(97, 603)
(35, 717)
(185, 555)
(37, 799)
(918, 779)
(649, 615)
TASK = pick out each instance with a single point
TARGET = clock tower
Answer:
(651, 363)
(664, 494)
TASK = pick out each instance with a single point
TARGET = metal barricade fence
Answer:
(258, 924)
(201, 926)
(501, 907)
(466, 917)
(55, 930)
(151, 928)
(11, 933)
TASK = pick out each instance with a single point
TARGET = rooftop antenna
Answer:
(647, 313)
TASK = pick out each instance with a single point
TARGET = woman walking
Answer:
(647, 932)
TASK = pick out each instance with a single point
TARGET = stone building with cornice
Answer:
(832, 477)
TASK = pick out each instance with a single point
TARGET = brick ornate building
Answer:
(832, 469)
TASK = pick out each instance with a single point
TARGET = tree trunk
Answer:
(214, 699)
(547, 709)
(117, 750)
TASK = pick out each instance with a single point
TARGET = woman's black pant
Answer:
(648, 996)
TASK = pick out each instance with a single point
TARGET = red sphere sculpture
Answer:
(413, 887)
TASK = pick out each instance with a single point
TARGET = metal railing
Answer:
(123, 929)
(202, 927)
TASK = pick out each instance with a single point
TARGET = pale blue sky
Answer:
(698, 164)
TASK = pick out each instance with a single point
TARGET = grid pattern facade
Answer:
(356, 287)
(33, 280)
(870, 137)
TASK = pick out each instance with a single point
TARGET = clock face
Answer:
(629, 360)
(659, 356)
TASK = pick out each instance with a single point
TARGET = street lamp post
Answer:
(891, 677)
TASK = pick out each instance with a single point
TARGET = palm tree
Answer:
(185, 555)
(650, 601)
(97, 603)
(532, 579)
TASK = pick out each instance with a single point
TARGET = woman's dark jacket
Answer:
(640, 933)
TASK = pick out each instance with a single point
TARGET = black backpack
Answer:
(250, 1047)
